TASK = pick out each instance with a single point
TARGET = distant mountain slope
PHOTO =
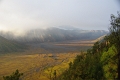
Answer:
(9, 46)
(55, 34)
(68, 28)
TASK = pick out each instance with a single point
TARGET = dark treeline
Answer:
(102, 61)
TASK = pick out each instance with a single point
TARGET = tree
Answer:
(115, 37)
(109, 62)
(15, 76)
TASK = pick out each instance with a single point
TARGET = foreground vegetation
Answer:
(101, 62)
(98, 65)
(15, 76)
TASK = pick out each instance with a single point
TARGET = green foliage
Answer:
(99, 63)
(15, 76)
(109, 61)
(84, 67)
(115, 37)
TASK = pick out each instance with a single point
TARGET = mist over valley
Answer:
(52, 39)
(53, 34)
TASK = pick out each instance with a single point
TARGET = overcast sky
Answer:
(85, 14)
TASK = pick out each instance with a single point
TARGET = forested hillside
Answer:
(102, 61)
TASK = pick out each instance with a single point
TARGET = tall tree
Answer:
(115, 36)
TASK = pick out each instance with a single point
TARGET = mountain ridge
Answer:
(54, 34)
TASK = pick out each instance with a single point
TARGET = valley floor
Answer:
(35, 66)
(41, 60)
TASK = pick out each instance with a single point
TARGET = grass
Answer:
(60, 67)
(34, 66)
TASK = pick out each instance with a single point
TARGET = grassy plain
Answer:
(34, 66)
(40, 62)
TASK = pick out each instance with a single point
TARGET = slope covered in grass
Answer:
(10, 46)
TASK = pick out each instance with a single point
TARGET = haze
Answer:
(20, 15)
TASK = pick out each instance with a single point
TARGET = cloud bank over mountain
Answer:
(54, 35)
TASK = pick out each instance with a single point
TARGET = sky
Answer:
(21, 15)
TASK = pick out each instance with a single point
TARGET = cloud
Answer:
(28, 14)
(118, 2)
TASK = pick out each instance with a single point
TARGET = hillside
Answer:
(100, 59)
(54, 35)
(10, 46)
